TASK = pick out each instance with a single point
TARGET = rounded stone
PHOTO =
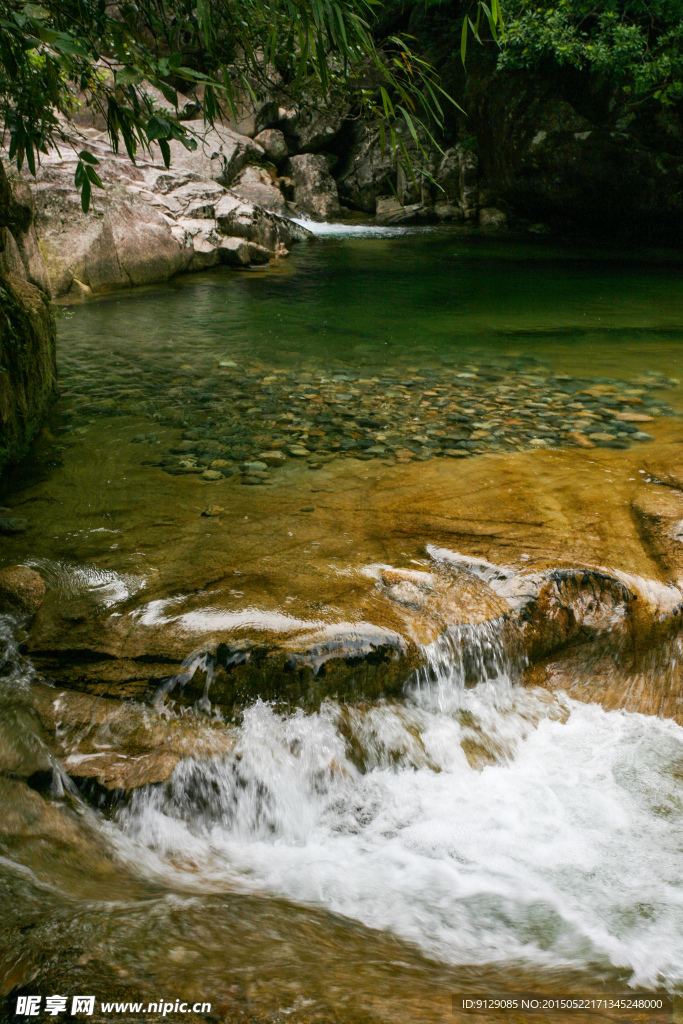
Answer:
(21, 590)
(272, 458)
(255, 467)
(212, 475)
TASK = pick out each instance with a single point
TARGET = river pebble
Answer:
(250, 419)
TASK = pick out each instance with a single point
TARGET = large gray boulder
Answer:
(315, 190)
(240, 219)
(274, 145)
(314, 126)
(122, 241)
(368, 172)
(149, 222)
(220, 155)
(257, 185)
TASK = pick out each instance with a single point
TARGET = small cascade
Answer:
(488, 655)
(23, 750)
(483, 821)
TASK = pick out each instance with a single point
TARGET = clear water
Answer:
(355, 861)
(407, 299)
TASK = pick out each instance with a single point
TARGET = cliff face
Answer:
(562, 147)
(27, 326)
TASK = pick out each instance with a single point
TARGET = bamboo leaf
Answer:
(92, 174)
(85, 195)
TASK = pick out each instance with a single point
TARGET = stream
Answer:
(241, 455)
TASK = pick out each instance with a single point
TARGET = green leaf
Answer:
(165, 152)
(30, 158)
(463, 41)
(93, 176)
(62, 42)
(87, 157)
(157, 128)
(169, 94)
(85, 195)
(129, 76)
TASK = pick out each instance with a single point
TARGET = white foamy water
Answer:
(325, 229)
(557, 843)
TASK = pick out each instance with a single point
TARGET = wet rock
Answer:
(234, 252)
(659, 514)
(275, 458)
(558, 607)
(21, 590)
(121, 745)
(23, 748)
(347, 662)
(492, 219)
(237, 218)
(13, 524)
(633, 417)
(315, 190)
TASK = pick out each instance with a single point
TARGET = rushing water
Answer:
(364, 861)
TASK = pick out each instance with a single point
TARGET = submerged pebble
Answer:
(250, 420)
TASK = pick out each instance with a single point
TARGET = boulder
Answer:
(445, 211)
(457, 176)
(193, 197)
(27, 337)
(220, 155)
(241, 219)
(123, 241)
(21, 590)
(259, 253)
(234, 252)
(274, 145)
(315, 190)
(390, 211)
(368, 170)
(257, 185)
(315, 126)
(492, 219)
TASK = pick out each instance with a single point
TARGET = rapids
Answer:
(563, 850)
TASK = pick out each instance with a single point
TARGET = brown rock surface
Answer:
(21, 590)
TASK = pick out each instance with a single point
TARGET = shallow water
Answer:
(363, 862)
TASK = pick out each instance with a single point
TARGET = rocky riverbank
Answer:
(27, 328)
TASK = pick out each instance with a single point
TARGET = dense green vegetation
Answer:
(58, 52)
(637, 44)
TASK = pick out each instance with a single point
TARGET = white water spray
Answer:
(485, 823)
